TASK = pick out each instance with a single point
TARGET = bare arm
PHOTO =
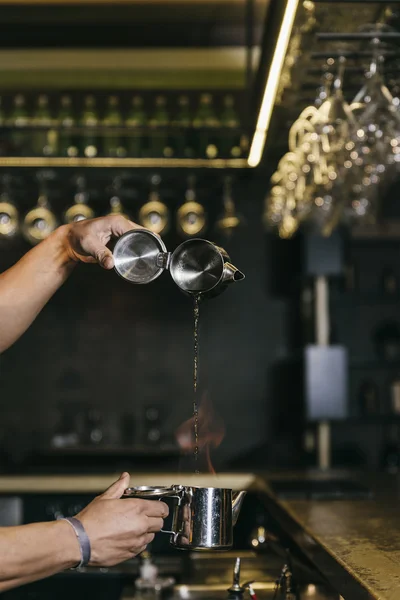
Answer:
(29, 284)
(35, 551)
(117, 529)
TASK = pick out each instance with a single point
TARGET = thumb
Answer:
(117, 489)
(104, 257)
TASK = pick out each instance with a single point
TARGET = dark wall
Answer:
(104, 343)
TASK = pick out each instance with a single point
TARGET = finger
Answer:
(155, 509)
(99, 252)
(119, 225)
(117, 489)
(149, 537)
(155, 524)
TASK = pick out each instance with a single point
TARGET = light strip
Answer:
(271, 87)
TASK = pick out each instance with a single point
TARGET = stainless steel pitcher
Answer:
(202, 519)
(197, 266)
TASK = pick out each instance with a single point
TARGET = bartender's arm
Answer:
(29, 284)
(117, 530)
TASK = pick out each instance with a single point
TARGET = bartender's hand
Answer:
(86, 241)
(120, 529)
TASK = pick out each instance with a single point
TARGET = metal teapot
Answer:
(197, 266)
(202, 519)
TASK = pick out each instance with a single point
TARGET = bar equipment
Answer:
(197, 266)
(203, 518)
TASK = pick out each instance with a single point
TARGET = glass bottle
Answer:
(44, 139)
(3, 137)
(66, 121)
(182, 123)
(136, 122)
(19, 119)
(206, 121)
(159, 133)
(230, 122)
(89, 121)
(112, 143)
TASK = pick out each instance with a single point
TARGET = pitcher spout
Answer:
(237, 501)
(231, 273)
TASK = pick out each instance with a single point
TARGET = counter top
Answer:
(362, 536)
(355, 543)
(88, 484)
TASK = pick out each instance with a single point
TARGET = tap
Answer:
(236, 590)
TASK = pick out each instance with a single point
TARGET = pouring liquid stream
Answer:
(196, 314)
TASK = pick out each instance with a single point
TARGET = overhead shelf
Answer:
(195, 163)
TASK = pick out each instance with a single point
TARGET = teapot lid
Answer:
(140, 256)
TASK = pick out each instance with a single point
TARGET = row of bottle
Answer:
(190, 219)
(158, 131)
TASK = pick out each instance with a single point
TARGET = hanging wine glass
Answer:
(334, 125)
(154, 214)
(230, 220)
(191, 216)
(39, 222)
(375, 154)
(9, 217)
(80, 210)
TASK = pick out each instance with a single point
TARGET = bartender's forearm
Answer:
(27, 286)
(32, 552)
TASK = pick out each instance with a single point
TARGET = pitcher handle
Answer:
(165, 530)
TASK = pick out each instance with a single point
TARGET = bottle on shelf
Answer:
(3, 140)
(205, 122)
(136, 122)
(89, 121)
(191, 216)
(182, 123)
(79, 211)
(112, 140)
(154, 214)
(230, 142)
(19, 120)
(2, 113)
(66, 122)
(159, 143)
(44, 138)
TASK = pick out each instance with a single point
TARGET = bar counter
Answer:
(354, 543)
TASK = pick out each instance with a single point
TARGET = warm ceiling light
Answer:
(271, 87)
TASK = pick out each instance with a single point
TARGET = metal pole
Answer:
(322, 334)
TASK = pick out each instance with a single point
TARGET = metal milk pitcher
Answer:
(202, 518)
(197, 266)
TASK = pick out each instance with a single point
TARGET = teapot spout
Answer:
(231, 273)
(237, 501)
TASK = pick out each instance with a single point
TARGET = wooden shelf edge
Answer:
(199, 163)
